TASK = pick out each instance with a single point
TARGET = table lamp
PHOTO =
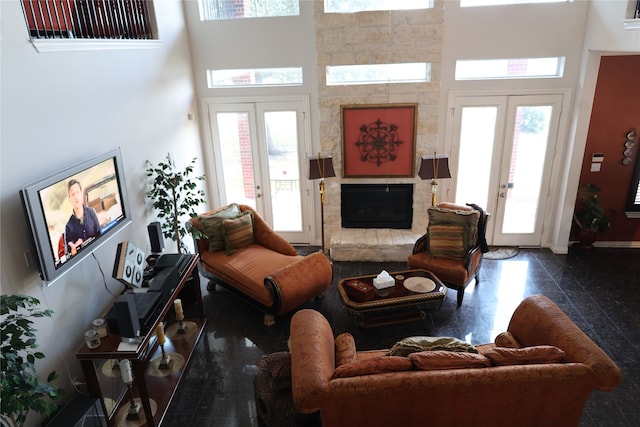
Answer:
(320, 168)
(433, 167)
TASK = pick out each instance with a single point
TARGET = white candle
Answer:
(177, 305)
(160, 333)
(125, 371)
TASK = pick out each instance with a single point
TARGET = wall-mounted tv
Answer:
(73, 212)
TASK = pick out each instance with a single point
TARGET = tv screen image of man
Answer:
(83, 224)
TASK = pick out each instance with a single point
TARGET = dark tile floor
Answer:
(599, 290)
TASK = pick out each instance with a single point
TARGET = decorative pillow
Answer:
(345, 349)
(522, 356)
(377, 365)
(410, 345)
(277, 364)
(447, 241)
(238, 232)
(467, 218)
(441, 359)
(212, 225)
(506, 339)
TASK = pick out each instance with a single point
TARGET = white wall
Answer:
(60, 108)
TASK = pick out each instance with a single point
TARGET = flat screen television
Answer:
(74, 211)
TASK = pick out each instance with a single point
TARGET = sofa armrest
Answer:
(312, 350)
(293, 284)
(538, 321)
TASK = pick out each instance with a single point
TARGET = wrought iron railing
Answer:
(88, 19)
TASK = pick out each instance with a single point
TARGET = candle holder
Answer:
(135, 408)
(165, 361)
(182, 326)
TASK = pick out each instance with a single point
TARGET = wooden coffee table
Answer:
(395, 304)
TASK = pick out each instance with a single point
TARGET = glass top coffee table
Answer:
(414, 293)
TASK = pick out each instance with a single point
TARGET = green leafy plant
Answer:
(175, 194)
(22, 390)
(589, 214)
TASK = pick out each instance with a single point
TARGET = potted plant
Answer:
(589, 215)
(22, 390)
(175, 194)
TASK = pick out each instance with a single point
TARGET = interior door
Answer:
(504, 155)
(259, 150)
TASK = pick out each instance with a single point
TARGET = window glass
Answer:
(233, 9)
(351, 6)
(472, 3)
(255, 77)
(378, 73)
(516, 68)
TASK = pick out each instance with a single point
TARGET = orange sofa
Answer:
(542, 394)
(268, 273)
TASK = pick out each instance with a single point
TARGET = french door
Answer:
(259, 149)
(504, 148)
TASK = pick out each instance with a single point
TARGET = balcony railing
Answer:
(88, 19)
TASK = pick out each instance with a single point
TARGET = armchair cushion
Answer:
(211, 225)
(238, 232)
(442, 359)
(466, 218)
(447, 241)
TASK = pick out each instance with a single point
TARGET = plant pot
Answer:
(586, 239)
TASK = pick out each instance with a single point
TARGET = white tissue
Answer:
(383, 280)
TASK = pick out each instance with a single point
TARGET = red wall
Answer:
(616, 108)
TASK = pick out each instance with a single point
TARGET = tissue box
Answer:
(359, 291)
(383, 282)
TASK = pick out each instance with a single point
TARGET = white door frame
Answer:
(213, 164)
(559, 149)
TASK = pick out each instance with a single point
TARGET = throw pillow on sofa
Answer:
(506, 339)
(410, 345)
(442, 359)
(212, 225)
(345, 349)
(238, 232)
(376, 365)
(501, 356)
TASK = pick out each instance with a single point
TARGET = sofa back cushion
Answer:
(377, 365)
(442, 359)
(501, 356)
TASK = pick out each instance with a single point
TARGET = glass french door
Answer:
(504, 154)
(259, 152)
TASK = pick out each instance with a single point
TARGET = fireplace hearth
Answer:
(377, 206)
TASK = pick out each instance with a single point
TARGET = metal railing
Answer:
(88, 19)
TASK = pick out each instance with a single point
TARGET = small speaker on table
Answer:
(155, 237)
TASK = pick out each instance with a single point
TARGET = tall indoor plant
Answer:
(22, 390)
(589, 215)
(175, 194)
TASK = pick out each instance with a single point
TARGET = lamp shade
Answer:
(320, 167)
(434, 166)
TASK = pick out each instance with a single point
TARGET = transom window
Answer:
(378, 73)
(472, 3)
(211, 10)
(352, 6)
(291, 76)
(516, 68)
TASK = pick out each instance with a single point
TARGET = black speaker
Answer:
(126, 315)
(155, 237)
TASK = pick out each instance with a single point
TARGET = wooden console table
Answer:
(153, 387)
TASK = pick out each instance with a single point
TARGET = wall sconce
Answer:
(434, 167)
(628, 147)
(321, 168)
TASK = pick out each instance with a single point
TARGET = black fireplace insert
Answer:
(377, 205)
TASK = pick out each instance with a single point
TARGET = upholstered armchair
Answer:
(239, 251)
(453, 245)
